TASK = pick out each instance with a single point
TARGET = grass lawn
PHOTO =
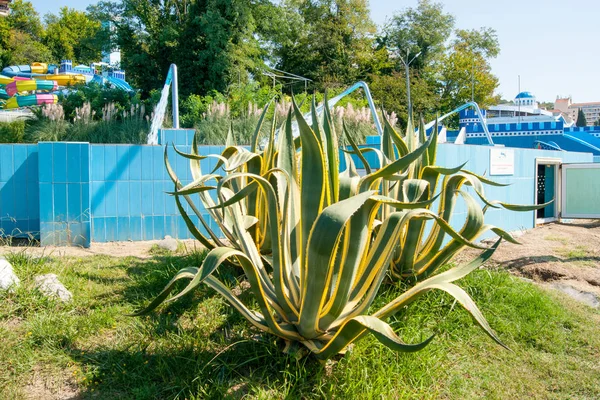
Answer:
(200, 348)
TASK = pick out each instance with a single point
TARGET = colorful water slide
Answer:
(42, 71)
(30, 86)
(30, 100)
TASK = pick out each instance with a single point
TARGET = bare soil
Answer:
(115, 249)
(560, 255)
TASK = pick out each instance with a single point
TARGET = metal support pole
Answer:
(175, 97)
(408, 91)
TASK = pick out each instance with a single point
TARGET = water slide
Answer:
(30, 100)
(42, 71)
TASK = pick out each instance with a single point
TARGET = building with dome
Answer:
(522, 123)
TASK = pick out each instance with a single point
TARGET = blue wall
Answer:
(64, 190)
(19, 190)
(522, 189)
(76, 193)
(129, 185)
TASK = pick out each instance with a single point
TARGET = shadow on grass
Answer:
(162, 358)
(243, 366)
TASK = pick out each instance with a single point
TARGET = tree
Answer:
(390, 92)
(26, 49)
(423, 29)
(213, 42)
(21, 33)
(71, 35)
(464, 71)
(24, 18)
(328, 41)
(581, 121)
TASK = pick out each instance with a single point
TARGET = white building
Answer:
(590, 110)
(112, 58)
(4, 8)
(524, 108)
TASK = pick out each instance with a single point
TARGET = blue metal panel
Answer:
(135, 228)
(73, 163)
(158, 199)
(110, 200)
(159, 226)
(157, 163)
(147, 169)
(59, 162)
(135, 163)
(110, 229)
(122, 198)
(123, 229)
(32, 163)
(84, 149)
(46, 202)
(97, 162)
(110, 163)
(147, 228)
(60, 202)
(123, 162)
(7, 207)
(6, 163)
(135, 198)
(20, 163)
(33, 200)
(73, 202)
(98, 203)
(85, 202)
(147, 196)
(171, 225)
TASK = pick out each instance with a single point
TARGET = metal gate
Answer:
(580, 191)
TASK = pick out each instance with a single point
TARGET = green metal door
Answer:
(580, 191)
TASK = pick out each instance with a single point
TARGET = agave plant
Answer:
(314, 249)
(422, 250)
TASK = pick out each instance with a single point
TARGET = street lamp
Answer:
(406, 65)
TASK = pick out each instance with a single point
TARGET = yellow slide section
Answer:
(5, 80)
(39, 68)
(63, 79)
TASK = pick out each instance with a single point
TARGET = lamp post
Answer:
(406, 66)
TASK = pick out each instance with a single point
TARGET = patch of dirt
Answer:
(43, 387)
(115, 249)
(567, 254)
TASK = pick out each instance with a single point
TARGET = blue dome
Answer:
(524, 95)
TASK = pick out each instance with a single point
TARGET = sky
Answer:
(552, 44)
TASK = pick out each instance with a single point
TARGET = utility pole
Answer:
(519, 119)
(406, 66)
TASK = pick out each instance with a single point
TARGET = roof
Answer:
(592, 103)
(524, 95)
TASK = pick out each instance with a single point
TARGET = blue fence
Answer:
(76, 193)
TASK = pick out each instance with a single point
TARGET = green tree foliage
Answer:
(581, 121)
(21, 35)
(328, 41)
(26, 49)
(71, 35)
(24, 18)
(465, 73)
(213, 43)
(423, 29)
(446, 73)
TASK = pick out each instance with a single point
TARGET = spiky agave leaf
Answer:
(328, 251)
(408, 175)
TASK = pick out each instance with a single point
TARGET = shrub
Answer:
(314, 244)
(12, 132)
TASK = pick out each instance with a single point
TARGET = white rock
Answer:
(168, 243)
(50, 286)
(8, 278)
